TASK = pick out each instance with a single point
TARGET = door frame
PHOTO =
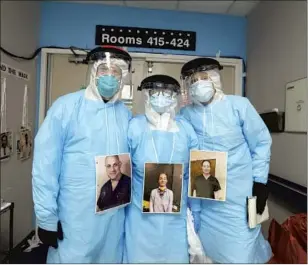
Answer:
(154, 57)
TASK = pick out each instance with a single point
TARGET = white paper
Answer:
(24, 122)
(6, 145)
(253, 218)
(24, 144)
(3, 105)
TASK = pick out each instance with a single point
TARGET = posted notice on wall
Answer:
(10, 70)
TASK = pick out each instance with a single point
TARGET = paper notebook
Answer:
(253, 218)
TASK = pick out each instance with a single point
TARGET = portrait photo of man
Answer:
(113, 181)
(6, 145)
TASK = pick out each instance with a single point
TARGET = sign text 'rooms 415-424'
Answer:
(145, 38)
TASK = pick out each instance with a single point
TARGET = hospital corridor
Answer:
(153, 132)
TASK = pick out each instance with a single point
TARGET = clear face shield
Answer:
(108, 74)
(200, 86)
(161, 97)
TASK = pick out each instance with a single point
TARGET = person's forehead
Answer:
(202, 74)
(162, 175)
(111, 160)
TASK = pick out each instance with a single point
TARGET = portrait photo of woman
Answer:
(162, 188)
(208, 175)
(161, 199)
(206, 185)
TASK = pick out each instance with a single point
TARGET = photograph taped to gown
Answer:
(162, 188)
(6, 145)
(113, 181)
(208, 175)
(24, 144)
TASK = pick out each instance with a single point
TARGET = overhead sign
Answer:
(14, 71)
(146, 38)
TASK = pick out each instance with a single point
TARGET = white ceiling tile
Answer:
(238, 8)
(114, 3)
(242, 8)
(159, 4)
(205, 6)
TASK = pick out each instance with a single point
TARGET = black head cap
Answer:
(200, 64)
(160, 82)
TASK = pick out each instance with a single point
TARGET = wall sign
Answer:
(145, 38)
(14, 71)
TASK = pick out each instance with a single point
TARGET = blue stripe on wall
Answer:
(66, 24)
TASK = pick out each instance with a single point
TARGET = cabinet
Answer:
(296, 106)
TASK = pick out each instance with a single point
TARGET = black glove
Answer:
(50, 238)
(261, 192)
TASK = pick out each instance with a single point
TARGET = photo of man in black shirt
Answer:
(117, 190)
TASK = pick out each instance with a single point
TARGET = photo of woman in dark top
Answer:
(206, 185)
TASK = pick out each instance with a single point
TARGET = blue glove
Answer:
(197, 221)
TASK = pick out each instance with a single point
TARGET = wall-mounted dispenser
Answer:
(274, 120)
(296, 106)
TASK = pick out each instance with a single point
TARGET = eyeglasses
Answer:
(104, 69)
(157, 92)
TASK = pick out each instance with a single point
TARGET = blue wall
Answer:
(73, 24)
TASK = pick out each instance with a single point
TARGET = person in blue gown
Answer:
(78, 127)
(228, 123)
(158, 137)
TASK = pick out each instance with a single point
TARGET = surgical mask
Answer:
(202, 90)
(107, 86)
(161, 103)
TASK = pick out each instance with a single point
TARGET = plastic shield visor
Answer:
(111, 67)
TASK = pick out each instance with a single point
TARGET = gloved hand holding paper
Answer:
(255, 218)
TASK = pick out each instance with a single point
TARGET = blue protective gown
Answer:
(232, 125)
(157, 238)
(76, 130)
